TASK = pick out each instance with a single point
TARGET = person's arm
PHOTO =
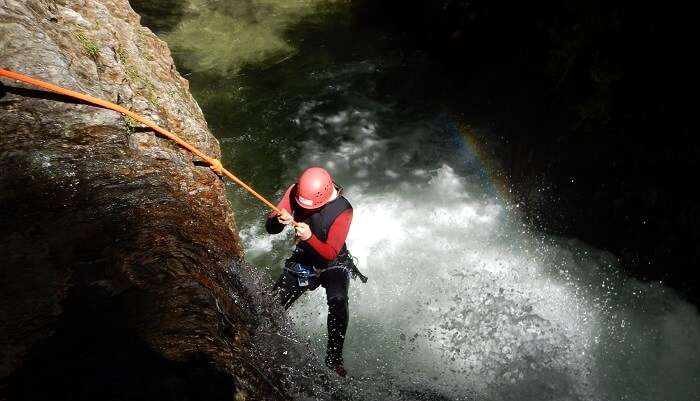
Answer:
(337, 234)
(272, 225)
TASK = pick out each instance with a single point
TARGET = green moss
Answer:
(88, 46)
(131, 124)
(133, 75)
(153, 98)
(148, 56)
(129, 69)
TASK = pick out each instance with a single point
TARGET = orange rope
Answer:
(214, 164)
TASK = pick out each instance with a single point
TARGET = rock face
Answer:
(122, 274)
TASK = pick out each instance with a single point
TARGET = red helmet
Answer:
(314, 188)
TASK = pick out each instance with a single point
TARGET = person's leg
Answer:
(288, 289)
(336, 282)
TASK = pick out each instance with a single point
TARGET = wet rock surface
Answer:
(122, 274)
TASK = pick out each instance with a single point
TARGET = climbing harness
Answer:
(354, 270)
(214, 164)
(302, 272)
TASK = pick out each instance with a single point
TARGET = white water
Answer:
(463, 301)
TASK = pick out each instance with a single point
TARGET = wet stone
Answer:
(118, 252)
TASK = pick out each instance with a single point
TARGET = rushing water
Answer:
(464, 300)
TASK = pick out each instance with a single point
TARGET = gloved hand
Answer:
(284, 217)
(303, 232)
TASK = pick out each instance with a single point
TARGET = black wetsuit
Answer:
(332, 275)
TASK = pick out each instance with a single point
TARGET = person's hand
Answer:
(284, 217)
(303, 232)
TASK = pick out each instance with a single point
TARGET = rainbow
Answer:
(472, 149)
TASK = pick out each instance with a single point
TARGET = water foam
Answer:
(465, 302)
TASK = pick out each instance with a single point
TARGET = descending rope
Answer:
(214, 164)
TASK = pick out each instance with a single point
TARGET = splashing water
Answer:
(463, 301)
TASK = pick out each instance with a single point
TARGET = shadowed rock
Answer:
(122, 274)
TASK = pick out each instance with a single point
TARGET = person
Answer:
(321, 217)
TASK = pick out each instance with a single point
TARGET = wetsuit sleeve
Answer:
(271, 224)
(337, 234)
